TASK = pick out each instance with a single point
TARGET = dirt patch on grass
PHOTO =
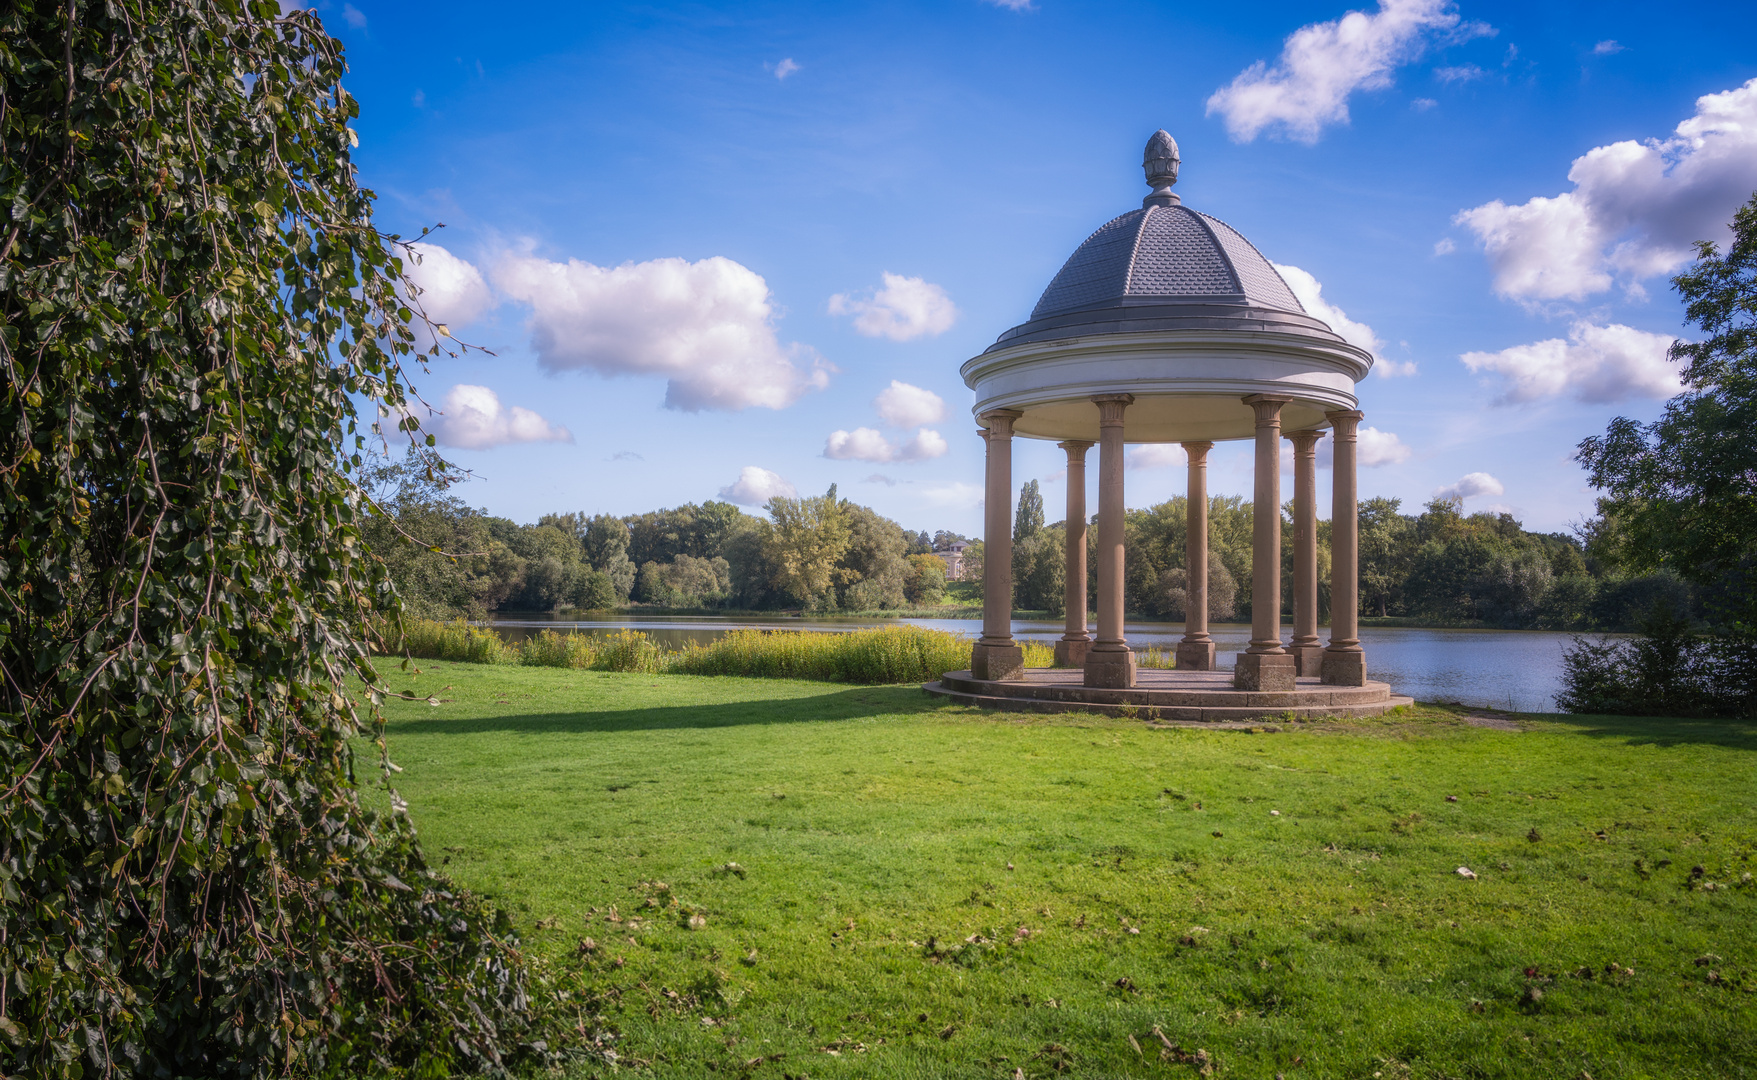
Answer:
(1489, 718)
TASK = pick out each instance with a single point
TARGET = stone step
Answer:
(1170, 714)
(1210, 692)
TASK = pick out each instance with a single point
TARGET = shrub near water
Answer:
(458, 641)
(625, 650)
(892, 654)
(550, 649)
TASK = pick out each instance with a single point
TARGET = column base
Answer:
(1264, 672)
(1072, 654)
(1110, 670)
(1308, 660)
(997, 663)
(1195, 656)
(1344, 667)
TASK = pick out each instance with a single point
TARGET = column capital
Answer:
(1110, 408)
(1345, 422)
(1267, 407)
(1194, 448)
(1000, 421)
(1076, 449)
(1305, 441)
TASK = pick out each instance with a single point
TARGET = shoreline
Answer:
(966, 612)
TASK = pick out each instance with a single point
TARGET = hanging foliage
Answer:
(194, 299)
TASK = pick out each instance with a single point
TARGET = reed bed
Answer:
(879, 655)
(891, 654)
(432, 640)
(1155, 657)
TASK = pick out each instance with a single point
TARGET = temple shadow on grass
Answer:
(1660, 730)
(838, 703)
(852, 703)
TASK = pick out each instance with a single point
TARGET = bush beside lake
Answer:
(890, 654)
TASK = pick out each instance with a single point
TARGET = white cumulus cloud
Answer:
(453, 291)
(902, 405)
(1445, 246)
(1607, 48)
(1374, 448)
(472, 418)
(1471, 485)
(1322, 64)
(756, 486)
(1155, 456)
(902, 309)
(1595, 364)
(705, 326)
(785, 68)
(1635, 210)
(861, 444)
(869, 444)
(1310, 294)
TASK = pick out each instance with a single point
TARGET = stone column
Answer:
(1345, 664)
(1110, 663)
(1070, 651)
(1196, 651)
(1266, 665)
(995, 655)
(1307, 652)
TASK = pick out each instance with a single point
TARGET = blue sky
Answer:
(673, 223)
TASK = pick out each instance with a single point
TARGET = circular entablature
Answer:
(1168, 418)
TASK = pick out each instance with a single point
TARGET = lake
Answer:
(1502, 669)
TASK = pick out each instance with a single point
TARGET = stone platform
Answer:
(1186, 696)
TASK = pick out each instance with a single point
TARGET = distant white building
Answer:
(953, 554)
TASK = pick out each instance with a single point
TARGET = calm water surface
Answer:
(1505, 669)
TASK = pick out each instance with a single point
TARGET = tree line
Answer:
(1441, 566)
(817, 553)
(825, 553)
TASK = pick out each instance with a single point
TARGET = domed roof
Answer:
(1177, 310)
(1165, 267)
(1165, 251)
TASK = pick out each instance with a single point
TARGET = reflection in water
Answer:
(1504, 669)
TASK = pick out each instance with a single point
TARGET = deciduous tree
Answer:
(194, 299)
(1028, 518)
(810, 535)
(1683, 489)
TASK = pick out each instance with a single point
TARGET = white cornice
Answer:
(1175, 347)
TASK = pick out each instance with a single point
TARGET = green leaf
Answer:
(196, 280)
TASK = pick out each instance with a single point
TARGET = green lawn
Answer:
(925, 890)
